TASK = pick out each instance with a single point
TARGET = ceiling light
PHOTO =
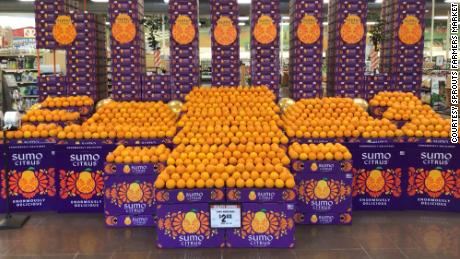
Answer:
(241, 24)
(441, 17)
(100, 1)
(244, 1)
(243, 18)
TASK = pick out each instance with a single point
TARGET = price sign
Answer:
(225, 216)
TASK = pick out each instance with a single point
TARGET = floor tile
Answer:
(386, 254)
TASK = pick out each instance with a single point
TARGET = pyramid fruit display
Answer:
(334, 118)
(138, 155)
(46, 115)
(321, 151)
(126, 120)
(42, 130)
(230, 137)
(68, 101)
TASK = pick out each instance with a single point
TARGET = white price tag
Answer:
(225, 216)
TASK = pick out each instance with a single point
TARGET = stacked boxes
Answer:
(276, 207)
(402, 52)
(184, 52)
(379, 177)
(51, 85)
(346, 48)
(190, 209)
(433, 177)
(225, 43)
(86, 62)
(156, 88)
(265, 62)
(128, 48)
(323, 191)
(129, 199)
(81, 167)
(306, 46)
(46, 12)
(31, 176)
(377, 82)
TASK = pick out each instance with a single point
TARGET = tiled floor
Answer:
(373, 235)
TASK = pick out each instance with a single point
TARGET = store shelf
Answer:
(21, 70)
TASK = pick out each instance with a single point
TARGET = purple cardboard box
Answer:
(119, 221)
(328, 218)
(264, 225)
(187, 226)
(2, 187)
(247, 195)
(379, 177)
(80, 168)
(133, 169)
(31, 175)
(433, 177)
(129, 195)
(190, 196)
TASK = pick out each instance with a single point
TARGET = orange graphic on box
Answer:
(264, 222)
(179, 223)
(265, 30)
(434, 183)
(410, 31)
(30, 183)
(183, 31)
(85, 184)
(352, 30)
(123, 29)
(309, 29)
(64, 31)
(377, 182)
(324, 189)
(124, 193)
(225, 32)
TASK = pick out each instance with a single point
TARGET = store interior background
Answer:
(18, 53)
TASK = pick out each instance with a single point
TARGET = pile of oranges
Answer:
(327, 151)
(390, 98)
(427, 126)
(241, 166)
(46, 115)
(126, 120)
(230, 115)
(334, 118)
(68, 101)
(138, 155)
(42, 130)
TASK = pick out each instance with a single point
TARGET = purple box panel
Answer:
(32, 175)
(260, 195)
(264, 225)
(193, 229)
(129, 195)
(81, 169)
(133, 169)
(379, 176)
(3, 190)
(433, 176)
(328, 218)
(120, 221)
(188, 196)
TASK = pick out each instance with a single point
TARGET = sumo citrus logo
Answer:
(265, 30)
(191, 224)
(31, 182)
(225, 32)
(28, 181)
(433, 182)
(87, 160)
(27, 159)
(308, 30)
(252, 196)
(123, 29)
(126, 169)
(314, 167)
(318, 193)
(64, 31)
(134, 197)
(134, 193)
(352, 31)
(435, 158)
(322, 190)
(260, 223)
(180, 196)
(375, 181)
(410, 31)
(183, 30)
(85, 182)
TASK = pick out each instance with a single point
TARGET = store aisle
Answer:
(373, 235)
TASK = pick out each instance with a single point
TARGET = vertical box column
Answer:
(127, 48)
(184, 52)
(306, 46)
(347, 46)
(225, 43)
(408, 25)
(265, 43)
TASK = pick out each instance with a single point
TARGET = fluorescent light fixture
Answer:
(325, 23)
(244, 1)
(100, 1)
(285, 18)
(241, 24)
(378, 1)
(107, 23)
(284, 23)
(166, 1)
(243, 18)
(441, 17)
(452, 1)
(326, 1)
(26, 0)
(371, 23)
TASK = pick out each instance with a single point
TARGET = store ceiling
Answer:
(158, 6)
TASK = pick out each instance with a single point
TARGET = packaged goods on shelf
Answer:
(323, 174)
(265, 33)
(129, 178)
(156, 88)
(225, 42)
(306, 46)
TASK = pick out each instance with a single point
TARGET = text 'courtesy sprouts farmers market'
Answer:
(230, 165)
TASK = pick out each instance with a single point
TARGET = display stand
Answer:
(10, 221)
